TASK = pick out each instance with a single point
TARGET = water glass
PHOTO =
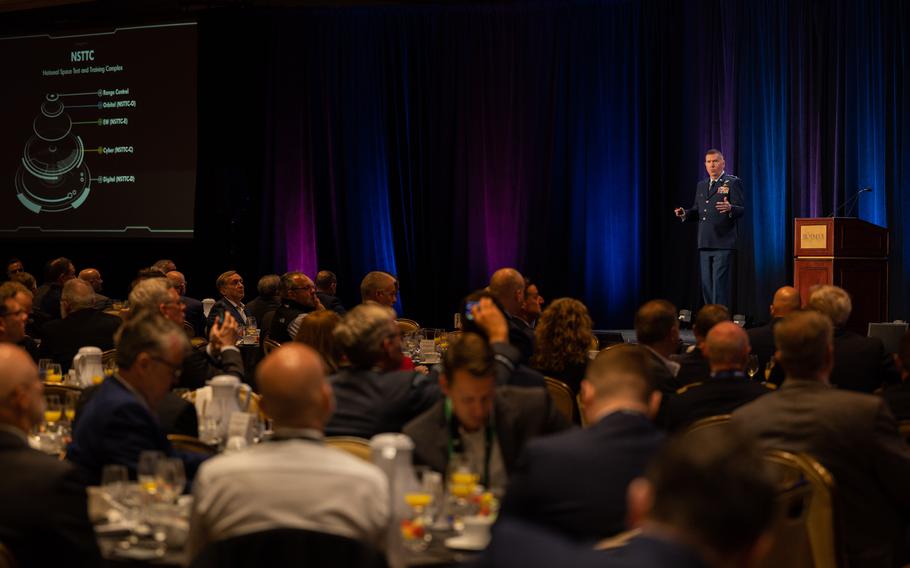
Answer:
(171, 479)
(147, 470)
(752, 366)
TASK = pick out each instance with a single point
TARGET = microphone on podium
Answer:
(846, 204)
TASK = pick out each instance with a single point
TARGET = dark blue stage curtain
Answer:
(442, 142)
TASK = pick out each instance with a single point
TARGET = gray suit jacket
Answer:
(855, 436)
(521, 413)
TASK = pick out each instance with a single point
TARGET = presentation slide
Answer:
(99, 134)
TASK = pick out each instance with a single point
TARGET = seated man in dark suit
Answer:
(705, 501)
(327, 291)
(860, 363)
(657, 329)
(575, 482)
(93, 277)
(693, 366)
(59, 272)
(786, 300)
(373, 395)
(43, 517)
(726, 389)
(298, 298)
(118, 423)
(508, 287)
(898, 396)
(483, 426)
(852, 434)
(193, 311)
(230, 286)
(268, 299)
(81, 325)
(219, 357)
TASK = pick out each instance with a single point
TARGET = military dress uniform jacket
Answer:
(717, 230)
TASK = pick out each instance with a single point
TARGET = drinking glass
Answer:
(43, 364)
(752, 366)
(171, 479)
(113, 479)
(54, 373)
(110, 367)
(54, 410)
(69, 408)
(147, 470)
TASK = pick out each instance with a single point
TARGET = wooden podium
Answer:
(847, 252)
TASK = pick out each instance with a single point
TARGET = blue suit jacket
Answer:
(717, 230)
(229, 308)
(113, 428)
(575, 482)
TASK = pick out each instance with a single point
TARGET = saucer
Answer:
(462, 543)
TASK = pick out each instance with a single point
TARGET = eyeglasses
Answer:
(176, 369)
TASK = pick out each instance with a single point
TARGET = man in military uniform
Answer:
(718, 204)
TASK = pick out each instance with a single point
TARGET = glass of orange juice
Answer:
(54, 373)
(53, 412)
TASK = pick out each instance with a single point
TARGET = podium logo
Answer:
(813, 236)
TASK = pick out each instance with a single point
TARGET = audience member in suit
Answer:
(532, 305)
(657, 329)
(589, 503)
(12, 315)
(60, 270)
(327, 291)
(13, 266)
(298, 299)
(693, 366)
(219, 357)
(726, 389)
(852, 434)
(294, 480)
(705, 501)
(785, 301)
(119, 422)
(563, 338)
(230, 286)
(194, 313)
(860, 363)
(268, 299)
(43, 517)
(898, 396)
(508, 287)
(175, 415)
(478, 424)
(93, 277)
(81, 325)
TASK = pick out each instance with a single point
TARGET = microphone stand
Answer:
(846, 204)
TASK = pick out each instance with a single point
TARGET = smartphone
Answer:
(468, 307)
(217, 314)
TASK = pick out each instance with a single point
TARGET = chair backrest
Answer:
(407, 325)
(270, 345)
(191, 444)
(718, 421)
(358, 447)
(108, 356)
(289, 547)
(189, 330)
(562, 397)
(804, 527)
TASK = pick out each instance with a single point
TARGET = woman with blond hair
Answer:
(563, 339)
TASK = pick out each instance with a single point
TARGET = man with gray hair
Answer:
(860, 363)
(373, 395)
(43, 520)
(298, 298)
(380, 287)
(852, 434)
(268, 300)
(219, 357)
(82, 325)
(118, 422)
(726, 389)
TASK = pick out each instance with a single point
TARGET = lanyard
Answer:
(456, 445)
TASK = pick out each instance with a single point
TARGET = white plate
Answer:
(462, 543)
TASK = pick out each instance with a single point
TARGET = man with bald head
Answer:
(293, 480)
(508, 287)
(786, 300)
(82, 325)
(93, 277)
(43, 519)
(728, 388)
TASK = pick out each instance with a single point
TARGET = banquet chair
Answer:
(191, 444)
(288, 547)
(358, 447)
(189, 329)
(562, 397)
(718, 421)
(270, 345)
(803, 528)
(108, 356)
(407, 325)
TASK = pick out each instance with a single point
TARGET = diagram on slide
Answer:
(53, 175)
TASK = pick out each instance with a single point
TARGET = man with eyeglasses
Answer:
(298, 298)
(119, 421)
(12, 315)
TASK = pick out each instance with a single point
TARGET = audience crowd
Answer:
(629, 475)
